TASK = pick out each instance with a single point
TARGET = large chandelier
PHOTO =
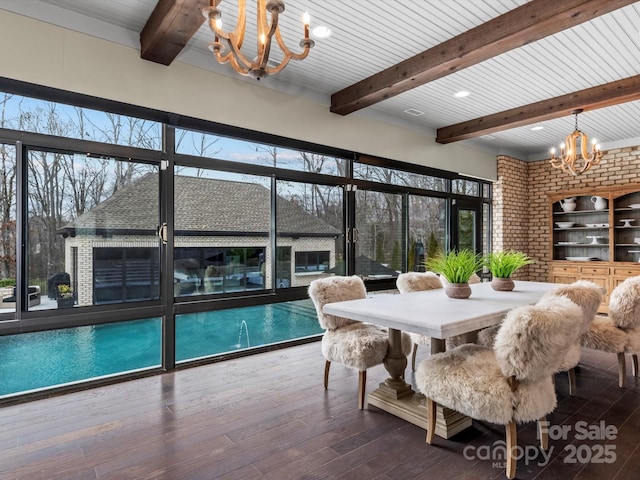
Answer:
(576, 159)
(258, 67)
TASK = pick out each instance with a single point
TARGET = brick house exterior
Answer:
(211, 213)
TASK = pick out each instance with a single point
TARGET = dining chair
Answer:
(356, 345)
(588, 296)
(619, 332)
(419, 281)
(511, 382)
(415, 282)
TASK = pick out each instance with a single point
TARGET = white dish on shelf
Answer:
(634, 205)
(596, 225)
(627, 221)
(636, 240)
(565, 224)
(597, 240)
(577, 243)
(582, 259)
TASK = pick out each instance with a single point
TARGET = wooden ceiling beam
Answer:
(169, 28)
(614, 93)
(526, 24)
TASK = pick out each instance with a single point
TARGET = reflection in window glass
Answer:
(7, 227)
(309, 232)
(467, 228)
(236, 150)
(222, 331)
(486, 190)
(51, 118)
(398, 177)
(200, 270)
(486, 231)
(427, 230)
(80, 207)
(222, 232)
(380, 245)
(465, 187)
(312, 261)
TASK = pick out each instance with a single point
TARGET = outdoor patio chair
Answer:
(356, 345)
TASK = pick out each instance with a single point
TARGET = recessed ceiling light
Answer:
(488, 137)
(413, 111)
(537, 128)
(321, 31)
(462, 94)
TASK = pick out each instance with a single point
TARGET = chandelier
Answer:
(258, 67)
(571, 160)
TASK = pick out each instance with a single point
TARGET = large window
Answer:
(379, 239)
(79, 207)
(309, 224)
(251, 153)
(68, 121)
(427, 230)
(200, 243)
(222, 232)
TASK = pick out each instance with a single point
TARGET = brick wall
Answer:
(510, 210)
(520, 205)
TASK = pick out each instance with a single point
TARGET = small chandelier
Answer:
(570, 161)
(258, 67)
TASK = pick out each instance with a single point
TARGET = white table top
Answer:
(434, 314)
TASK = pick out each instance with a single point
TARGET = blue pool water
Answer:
(44, 359)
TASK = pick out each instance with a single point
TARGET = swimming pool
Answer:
(39, 360)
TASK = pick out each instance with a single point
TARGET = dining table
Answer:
(434, 314)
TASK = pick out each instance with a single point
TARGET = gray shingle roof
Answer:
(202, 204)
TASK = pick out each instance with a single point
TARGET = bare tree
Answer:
(7, 199)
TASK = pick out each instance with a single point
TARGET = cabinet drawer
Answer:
(557, 269)
(626, 271)
(595, 270)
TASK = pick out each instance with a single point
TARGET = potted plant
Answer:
(502, 265)
(456, 267)
(65, 296)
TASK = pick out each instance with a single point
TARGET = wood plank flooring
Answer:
(268, 417)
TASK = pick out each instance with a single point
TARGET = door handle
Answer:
(162, 233)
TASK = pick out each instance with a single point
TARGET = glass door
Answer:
(379, 234)
(466, 231)
(91, 230)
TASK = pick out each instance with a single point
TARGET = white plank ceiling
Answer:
(371, 35)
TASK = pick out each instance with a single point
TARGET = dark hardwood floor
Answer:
(268, 417)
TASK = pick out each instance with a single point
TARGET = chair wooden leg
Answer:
(327, 365)
(512, 444)
(572, 382)
(634, 364)
(431, 420)
(413, 357)
(622, 370)
(543, 433)
(362, 383)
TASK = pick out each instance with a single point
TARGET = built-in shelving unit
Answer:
(595, 236)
